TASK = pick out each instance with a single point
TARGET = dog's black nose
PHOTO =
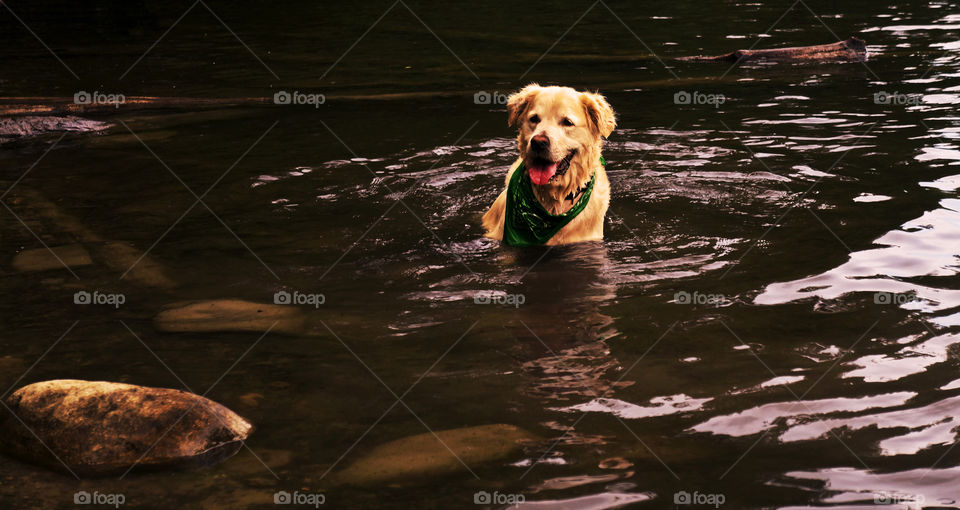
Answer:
(540, 143)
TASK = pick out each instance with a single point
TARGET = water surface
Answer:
(772, 317)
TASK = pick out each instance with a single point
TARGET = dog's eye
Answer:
(566, 122)
(534, 119)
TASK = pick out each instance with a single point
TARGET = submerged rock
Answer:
(261, 462)
(230, 315)
(136, 266)
(98, 428)
(58, 257)
(425, 454)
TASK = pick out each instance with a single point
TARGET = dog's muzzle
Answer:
(543, 171)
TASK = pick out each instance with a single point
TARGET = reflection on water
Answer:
(761, 418)
(592, 502)
(847, 487)
(924, 247)
(913, 358)
(658, 406)
(929, 426)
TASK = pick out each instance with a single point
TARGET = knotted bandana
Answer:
(527, 223)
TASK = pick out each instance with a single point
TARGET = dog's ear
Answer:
(518, 102)
(601, 115)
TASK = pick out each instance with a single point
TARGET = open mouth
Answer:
(542, 171)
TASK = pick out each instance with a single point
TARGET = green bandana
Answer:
(527, 223)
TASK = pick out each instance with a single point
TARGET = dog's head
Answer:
(560, 128)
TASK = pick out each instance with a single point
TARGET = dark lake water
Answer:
(773, 317)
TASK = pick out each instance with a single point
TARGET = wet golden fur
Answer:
(593, 120)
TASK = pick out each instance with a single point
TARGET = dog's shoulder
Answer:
(513, 168)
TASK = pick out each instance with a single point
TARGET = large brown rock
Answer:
(101, 428)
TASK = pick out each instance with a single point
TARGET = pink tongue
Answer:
(541, 174)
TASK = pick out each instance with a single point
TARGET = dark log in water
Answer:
(851, 50)
(33, 125)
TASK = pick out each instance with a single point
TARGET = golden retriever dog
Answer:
(561, 133)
